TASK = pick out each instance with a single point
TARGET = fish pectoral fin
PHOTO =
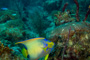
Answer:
(46, 57)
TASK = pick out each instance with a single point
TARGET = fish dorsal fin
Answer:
(29, 40)
(24, 52)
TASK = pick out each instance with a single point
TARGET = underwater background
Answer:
(64, 22)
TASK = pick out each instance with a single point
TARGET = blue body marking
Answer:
(24, 46)
(47, 49)
(46, 40)
(46, 44)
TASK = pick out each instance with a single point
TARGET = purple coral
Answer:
(88, 12)
(65, 5)
(77, 12)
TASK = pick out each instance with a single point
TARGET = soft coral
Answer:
(88, 12)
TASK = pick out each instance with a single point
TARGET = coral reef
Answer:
(10, 31)
(63, 17)
(13, 27)
(78, 45)
(72, 38)
(7, 54)
(8, 15)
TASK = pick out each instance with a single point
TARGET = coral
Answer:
(72, 39)
(65, 5)
(10, 31)
(88, 12)
(8, 15)
(62, 17)
(7, 54)
(78, 46)
(75, 26)
(14, 34)
(77, 12)
(14, 30)
(4, 50)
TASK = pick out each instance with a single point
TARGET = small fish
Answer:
(14, 14)
(4, 8)
(36, 48)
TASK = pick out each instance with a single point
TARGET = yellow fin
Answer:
(29, 40)
(50, 44)
(46, 57)
(24, 52)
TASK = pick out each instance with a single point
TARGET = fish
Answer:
(14, 14)
(4, 8)
(36, 48)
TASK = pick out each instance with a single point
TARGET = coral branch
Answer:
(65, 5)
(88, 12)
(77, 4)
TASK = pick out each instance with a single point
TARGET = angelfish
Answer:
(36, 48)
